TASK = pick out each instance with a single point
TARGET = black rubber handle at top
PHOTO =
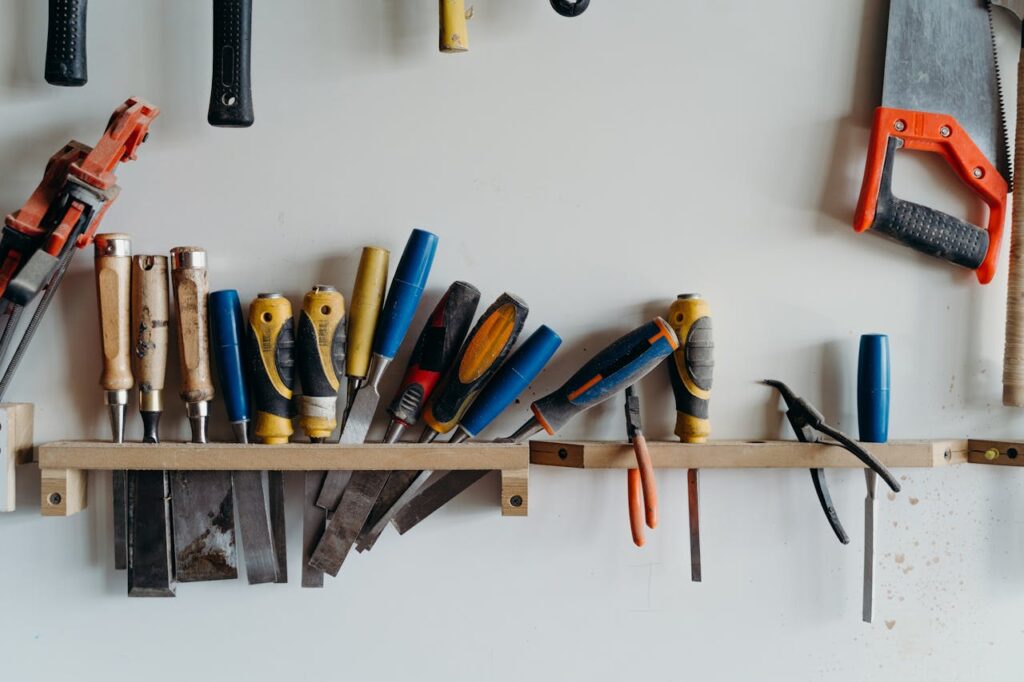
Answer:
(231, 91)
(312, 373)
(65, 43)
(267, 398)
(926, 229)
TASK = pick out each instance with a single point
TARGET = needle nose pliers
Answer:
(807, 422)
(640, 479)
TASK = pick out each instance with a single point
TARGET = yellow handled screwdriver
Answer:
(364, 309)
(113, 293)
(691, 371)
(320, 357)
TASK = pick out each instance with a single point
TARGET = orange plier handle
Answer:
(641, 481)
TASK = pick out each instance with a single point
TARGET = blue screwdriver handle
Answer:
(623, 363)
(404, 296)
(513, 377)
(873, 388)
(227, 336)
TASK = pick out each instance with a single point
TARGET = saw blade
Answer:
(939, 58)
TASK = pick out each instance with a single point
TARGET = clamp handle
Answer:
(230, 91)
(65, 43)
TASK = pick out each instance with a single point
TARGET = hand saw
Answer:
(63, 213)
(940, 95)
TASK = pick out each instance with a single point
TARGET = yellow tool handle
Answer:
(453, 34)
(271, 347)
(1013, 351)
(691, 367)
(367, 299)
(150, 315)
(320, 356)
(113, 293)
(188, 277)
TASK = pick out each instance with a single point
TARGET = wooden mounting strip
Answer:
(745, 454)
(996, 452)
(15, 448)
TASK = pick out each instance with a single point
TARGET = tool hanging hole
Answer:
(267, 317)
(228, 99)
(900, 125)
(563, 453)
(1012, 453)
(325, 310)
(516, 501)
(54, 499)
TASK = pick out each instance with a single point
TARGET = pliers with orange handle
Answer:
(641, 479)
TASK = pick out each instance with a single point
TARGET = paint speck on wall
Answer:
(890, 624)
(914, 500)
(900, 558)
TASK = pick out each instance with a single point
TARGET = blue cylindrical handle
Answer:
(873, 388)
(513, 377)
(404, 296)
(227, 332)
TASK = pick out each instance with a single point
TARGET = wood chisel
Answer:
(65, 43)
(434, 352)
(873, 420)
(641, 488)
(512, 379)
(354, 506)
(320, 358)
(621, 364)
(113, 293)
(230, 90)
(201, 501)
(453, 34)
(363, 312)
(270, 343)
(150, 543)
(690, 372)
(227, 341)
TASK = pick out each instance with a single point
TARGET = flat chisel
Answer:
(621, 364)
(270, 343)
(201, 501)
(227, 340)
(434, 352)
(113, 293)
(873, 420)
(150, 545)
(690, 372)
(320, 359)
(354, 506)
(363, 312)
(512, 379)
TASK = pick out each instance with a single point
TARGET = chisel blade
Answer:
(275, 482)
(401, 486)
(871, 479)
(347, 520)
(254, 525)
(693, 496)
(314, 521)
(360, 415)
(119, 480)
(204, 526)
(150, 564)
(435, 496)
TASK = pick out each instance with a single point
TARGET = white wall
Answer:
(596, 167)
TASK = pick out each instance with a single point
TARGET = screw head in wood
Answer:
(516, 501)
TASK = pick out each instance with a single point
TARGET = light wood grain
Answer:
(514, 489)
(63, 492)
(113, 294)
(1013, 351)
(15, 448)
(150, 315)
(190, 291)
(744, 454)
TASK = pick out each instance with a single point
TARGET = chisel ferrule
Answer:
(428, 435)
(197, 413)
(241, 431)
(461, 435)
(118, 397)
(378, 364)
(150, 400)
(395, 430)
(117, 414)
(526, 431)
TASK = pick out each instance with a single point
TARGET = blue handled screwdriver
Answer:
(623, 363)
(873, 420)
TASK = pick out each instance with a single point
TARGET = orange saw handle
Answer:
(920, 227)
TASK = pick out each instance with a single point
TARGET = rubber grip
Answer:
(320, 344)
(623, 363)
(271, 347)
(488, 345)
(65, 43)
(227, 339)
(406, 290)
(231, 90)
(570, 8)
(692, 366)
(435, 350)
(511, 380)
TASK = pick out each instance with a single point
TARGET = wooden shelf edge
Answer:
(746, 454)
(15, 448)
(996, 452)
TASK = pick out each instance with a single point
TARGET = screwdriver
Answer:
(621, 364)
(873, 420)
(320, 357)
(690, 372)
(367, 299)
(203, 507)
(150, 555)
(512, 379)
(270, 343)
(363, 487)
(435, 349)
(113, 294)
(227, 335)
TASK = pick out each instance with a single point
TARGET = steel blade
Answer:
(401, 487)
(360, 417)
(939, 59)
(314, 521)
(871, 479)
(347, 520)
(275, 485)
(693, 495)
(150, 559)
(254, 526)
(204, 526)
(435, 496)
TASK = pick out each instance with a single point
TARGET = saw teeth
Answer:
(1007, 154)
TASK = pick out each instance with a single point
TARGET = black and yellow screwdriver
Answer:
(320, 357)
(690, 372)
(271, 349)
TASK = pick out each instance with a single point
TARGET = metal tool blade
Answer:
(150, 562)
(870, 506)
(693, 496)
(435, 496)
(204, 526)
(314, 521)
(939, 59)
(254, 526)
(360, 416)
(275, 485)
(401, 487)
(347, 520)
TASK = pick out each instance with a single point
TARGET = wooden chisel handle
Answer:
(367, 299)
(230, 91)
(65, 43)
(150, 315)
(188, 275)
(113, 276)
(1013, 352)
(453, 35)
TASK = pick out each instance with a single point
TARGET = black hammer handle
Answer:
(65, 43)
(230, 92)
